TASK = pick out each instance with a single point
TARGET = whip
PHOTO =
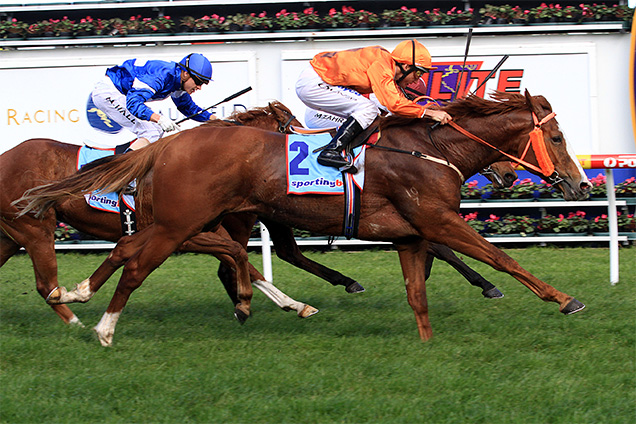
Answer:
(227, 99)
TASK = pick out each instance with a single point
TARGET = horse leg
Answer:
(159, 245)
(444, 253)
(239, 228)
(38, 241)
(413, 258)
(273, 293)
(234, 258)
(287, 250)
(459, 236)
(84, 291)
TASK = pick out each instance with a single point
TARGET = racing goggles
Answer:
(197, 81)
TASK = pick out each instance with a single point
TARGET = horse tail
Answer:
(108, 176)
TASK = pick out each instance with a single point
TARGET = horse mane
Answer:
(477, 106)
(472, 106)
(253, 114)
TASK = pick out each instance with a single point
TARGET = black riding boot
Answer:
(330, 156)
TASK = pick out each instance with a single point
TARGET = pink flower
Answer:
(492, 218)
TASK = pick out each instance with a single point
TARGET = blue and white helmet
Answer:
(198, 66)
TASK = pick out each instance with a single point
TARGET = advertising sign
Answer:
(55, 103)
(535, 72)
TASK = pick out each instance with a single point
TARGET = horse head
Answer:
(500, 174)
(273, 117)
(567, 175)
(285, 118)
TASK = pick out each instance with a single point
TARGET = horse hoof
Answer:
(75, 322)
(54, 297)
(572, 307)
(105, 340)
(307, 311)
(240, 316)
(354, 288)
(493, 293)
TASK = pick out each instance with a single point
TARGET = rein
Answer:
(546, 167)
(421, 155)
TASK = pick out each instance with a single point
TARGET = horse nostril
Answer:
(586, 186)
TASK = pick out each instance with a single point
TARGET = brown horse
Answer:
(406, 200)
(42, 160)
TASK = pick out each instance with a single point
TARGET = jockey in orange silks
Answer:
(336, 81)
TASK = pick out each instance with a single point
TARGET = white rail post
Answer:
(267, 254)
(613, 226)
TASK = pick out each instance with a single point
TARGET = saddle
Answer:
(122, 203)
(352, 191)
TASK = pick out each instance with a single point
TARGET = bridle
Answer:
(536, 140)
(282, 128)
(545, 168)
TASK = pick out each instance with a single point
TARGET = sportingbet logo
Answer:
(442, 82)
(317, 183)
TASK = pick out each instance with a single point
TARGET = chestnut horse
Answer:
(42, 160)
(409, 199)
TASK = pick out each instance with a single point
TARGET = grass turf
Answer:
(180, 357)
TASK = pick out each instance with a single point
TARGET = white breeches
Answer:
(109, 100)
(334, 99)
(319, 119)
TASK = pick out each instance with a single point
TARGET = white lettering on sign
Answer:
(627, 162)
(609, 162)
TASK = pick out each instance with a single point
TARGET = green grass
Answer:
(180, 357)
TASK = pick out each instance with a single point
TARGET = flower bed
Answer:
(573, 223)
(308, 18)
(527, 189)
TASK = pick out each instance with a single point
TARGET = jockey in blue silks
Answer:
(122, 94)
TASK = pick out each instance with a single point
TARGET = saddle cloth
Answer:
(306, 176)
(108, 202)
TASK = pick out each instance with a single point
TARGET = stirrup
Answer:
(130, 190)
(349, 168)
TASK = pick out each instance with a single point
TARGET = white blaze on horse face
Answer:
(572, 155)
(105, 328)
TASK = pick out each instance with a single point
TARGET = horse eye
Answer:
(557, 140)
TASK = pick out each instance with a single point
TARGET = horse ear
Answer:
(530, 101)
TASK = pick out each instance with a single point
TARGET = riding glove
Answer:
(167, 124)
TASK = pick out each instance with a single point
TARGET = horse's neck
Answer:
(264, 122)
(504, 132)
